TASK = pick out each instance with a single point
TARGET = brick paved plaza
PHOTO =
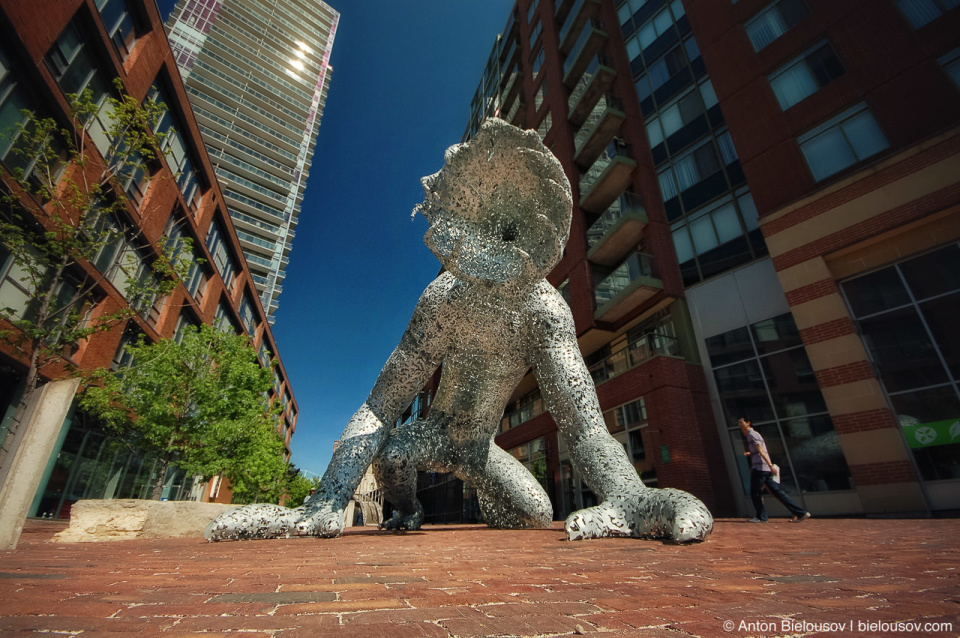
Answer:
(467, 580)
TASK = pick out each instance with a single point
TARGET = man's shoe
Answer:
(800, 519)
(756, 520)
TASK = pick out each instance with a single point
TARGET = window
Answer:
(531, 10)
(689, 170)
(675, 116)
(628, 8)
(538, 61)
(119, 22)
(773, 21)
(12, 104)
(805, 75)
(666, 67)
(122, 358)
(951, 64)
(175, 148)
(921, 12)
(75, 69)
(223, 319)
(535, 33)
(186, 321)
(15, 287)
(906, 315)
(842, 141)
(177, 244)
(763, 373)
(221, 254)
(722, 236)
(248, 315)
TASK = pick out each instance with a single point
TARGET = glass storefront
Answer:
(90, 464)
(904, 313)
(763, 373)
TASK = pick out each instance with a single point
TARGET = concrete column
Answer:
(40, 429)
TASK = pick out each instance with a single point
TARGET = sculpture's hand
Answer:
(668, 514)
(321, 519)
(252, 521)
(410, 521)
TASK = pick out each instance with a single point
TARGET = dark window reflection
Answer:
(876, 292)
(743, 393)
(818, 461)
(940, 315)
(934, 273)
(729, 347)
(778, 333)
(793, 385)
(902, 350)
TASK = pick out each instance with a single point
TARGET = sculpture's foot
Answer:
(405, 521)
(253, 521)
(667, 514)
(325, 522)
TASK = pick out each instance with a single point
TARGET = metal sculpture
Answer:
(499, 214)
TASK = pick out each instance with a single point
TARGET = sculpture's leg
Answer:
(396, 471)
(510, 497)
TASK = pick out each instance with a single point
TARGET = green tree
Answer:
(299, 486)
(202, 405)
(64, 224)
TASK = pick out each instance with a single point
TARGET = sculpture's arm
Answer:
(417, 356)
(571, 397)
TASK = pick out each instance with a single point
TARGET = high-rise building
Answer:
(52, 460)
(766, 224)
(257, 74)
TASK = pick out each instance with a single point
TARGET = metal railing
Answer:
(628, 203)
(637, 352)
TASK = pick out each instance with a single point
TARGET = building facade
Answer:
(765, 225)
(257, 74)
(89, 45)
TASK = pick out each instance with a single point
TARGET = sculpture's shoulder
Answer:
(441, 292)
(547, 307)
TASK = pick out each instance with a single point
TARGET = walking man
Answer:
(761, 474)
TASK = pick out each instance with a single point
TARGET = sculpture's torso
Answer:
(487, 356)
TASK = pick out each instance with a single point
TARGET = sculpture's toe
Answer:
(404, 521)
(325, 524)
(595, 522)
(691, 520)
(251, 521)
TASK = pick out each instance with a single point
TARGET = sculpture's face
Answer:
(500, 208)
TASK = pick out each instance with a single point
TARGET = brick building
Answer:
(85, 44)
(765, 224)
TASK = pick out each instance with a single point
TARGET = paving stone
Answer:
(467, 580)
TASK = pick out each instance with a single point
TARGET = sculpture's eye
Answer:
(509, 233)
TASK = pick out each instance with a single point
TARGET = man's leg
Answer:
(777, 490)
(756, 493)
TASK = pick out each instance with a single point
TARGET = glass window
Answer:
(175, 148)
(222, 256)
(911, 337)
(934, 273)
(773, 21)
(805, 75)
(876, 292)
(842, 141)
(921, 12)
(119, 22)
(951, 64)
(248, 314)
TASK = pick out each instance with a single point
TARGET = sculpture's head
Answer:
(499, 209)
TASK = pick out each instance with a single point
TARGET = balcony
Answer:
(618, 230)
(592, 85)
(598, 131)
(607, 178)
(580, 14)
(638, 352)
(629, 285)
(589, 43)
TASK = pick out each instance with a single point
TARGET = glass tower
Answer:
(257, 74)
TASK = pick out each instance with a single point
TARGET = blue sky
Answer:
(403, 77)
